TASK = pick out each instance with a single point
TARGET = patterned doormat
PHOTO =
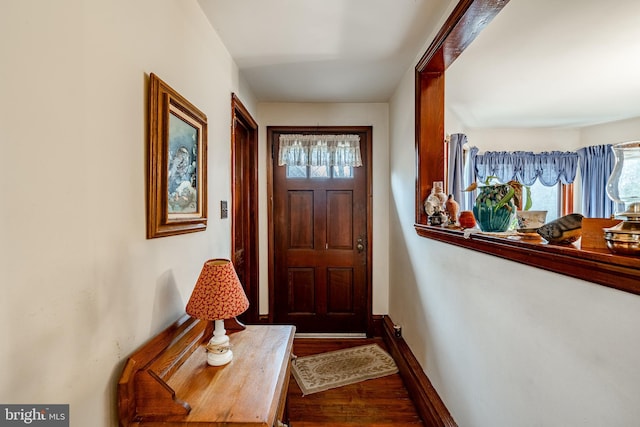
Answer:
(324, 371)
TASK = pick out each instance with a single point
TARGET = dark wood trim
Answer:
(240, 111)
(377, 324)
(369, 242)
(241, 116)
(429, 136)
(466, 21)
(428, 403)
(271, 228)
(368, 130)
(566, 192)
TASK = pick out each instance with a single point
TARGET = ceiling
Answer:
(550, 63)
(324, 50)
(540, 63)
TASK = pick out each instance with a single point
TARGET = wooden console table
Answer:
(167, 382)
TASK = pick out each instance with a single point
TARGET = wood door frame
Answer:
(239, 114)
(272, 148)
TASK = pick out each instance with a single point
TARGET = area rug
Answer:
(325, 371)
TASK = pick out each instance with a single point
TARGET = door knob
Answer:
(360, 245)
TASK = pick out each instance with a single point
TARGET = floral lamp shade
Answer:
(218, 293)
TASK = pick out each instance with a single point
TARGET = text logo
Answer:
(34, 415)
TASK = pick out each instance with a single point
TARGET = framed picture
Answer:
(177, 163)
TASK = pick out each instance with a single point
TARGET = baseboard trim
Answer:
(428, 403)
(375, 325)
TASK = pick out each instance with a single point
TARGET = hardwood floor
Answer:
(379, 402)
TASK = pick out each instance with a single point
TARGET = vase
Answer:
(489, 216)
(467, 220)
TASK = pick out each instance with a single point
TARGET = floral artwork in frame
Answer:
(177, 163)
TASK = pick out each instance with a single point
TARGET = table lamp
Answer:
(218, 295)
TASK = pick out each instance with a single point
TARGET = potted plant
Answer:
(496, 204)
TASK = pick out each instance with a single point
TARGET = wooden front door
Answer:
(321, 241)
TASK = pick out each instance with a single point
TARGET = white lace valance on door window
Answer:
(319, 150)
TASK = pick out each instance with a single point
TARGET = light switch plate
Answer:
(224, 210)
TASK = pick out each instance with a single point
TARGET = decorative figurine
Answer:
(436, 198)
(564, 230)
(452, 208)
(438, 217)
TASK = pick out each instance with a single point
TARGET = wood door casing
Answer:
(321, 281)
(244, 221)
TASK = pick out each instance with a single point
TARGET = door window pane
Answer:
(343, 172)
(296, 171)
(302, 172)
(319, 171)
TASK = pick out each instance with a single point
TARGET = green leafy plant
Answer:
(496, 204)
(513, 192)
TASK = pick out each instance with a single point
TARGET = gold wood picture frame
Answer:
(177, 163)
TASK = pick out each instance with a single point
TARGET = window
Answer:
(303, 172)
(547, 199)
(557, 200)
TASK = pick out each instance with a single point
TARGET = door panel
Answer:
(301, 291)
(340, 288)
(321, 279)
(340, 219)
(300, 214)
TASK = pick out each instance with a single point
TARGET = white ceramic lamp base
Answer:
(218, 350)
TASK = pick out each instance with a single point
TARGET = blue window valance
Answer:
(526, 167)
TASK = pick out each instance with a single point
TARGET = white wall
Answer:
(505, 344)
(611, 133)
(296, 114)
(544, 139)
(83, 287)
(512, 139)
(536, 140)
